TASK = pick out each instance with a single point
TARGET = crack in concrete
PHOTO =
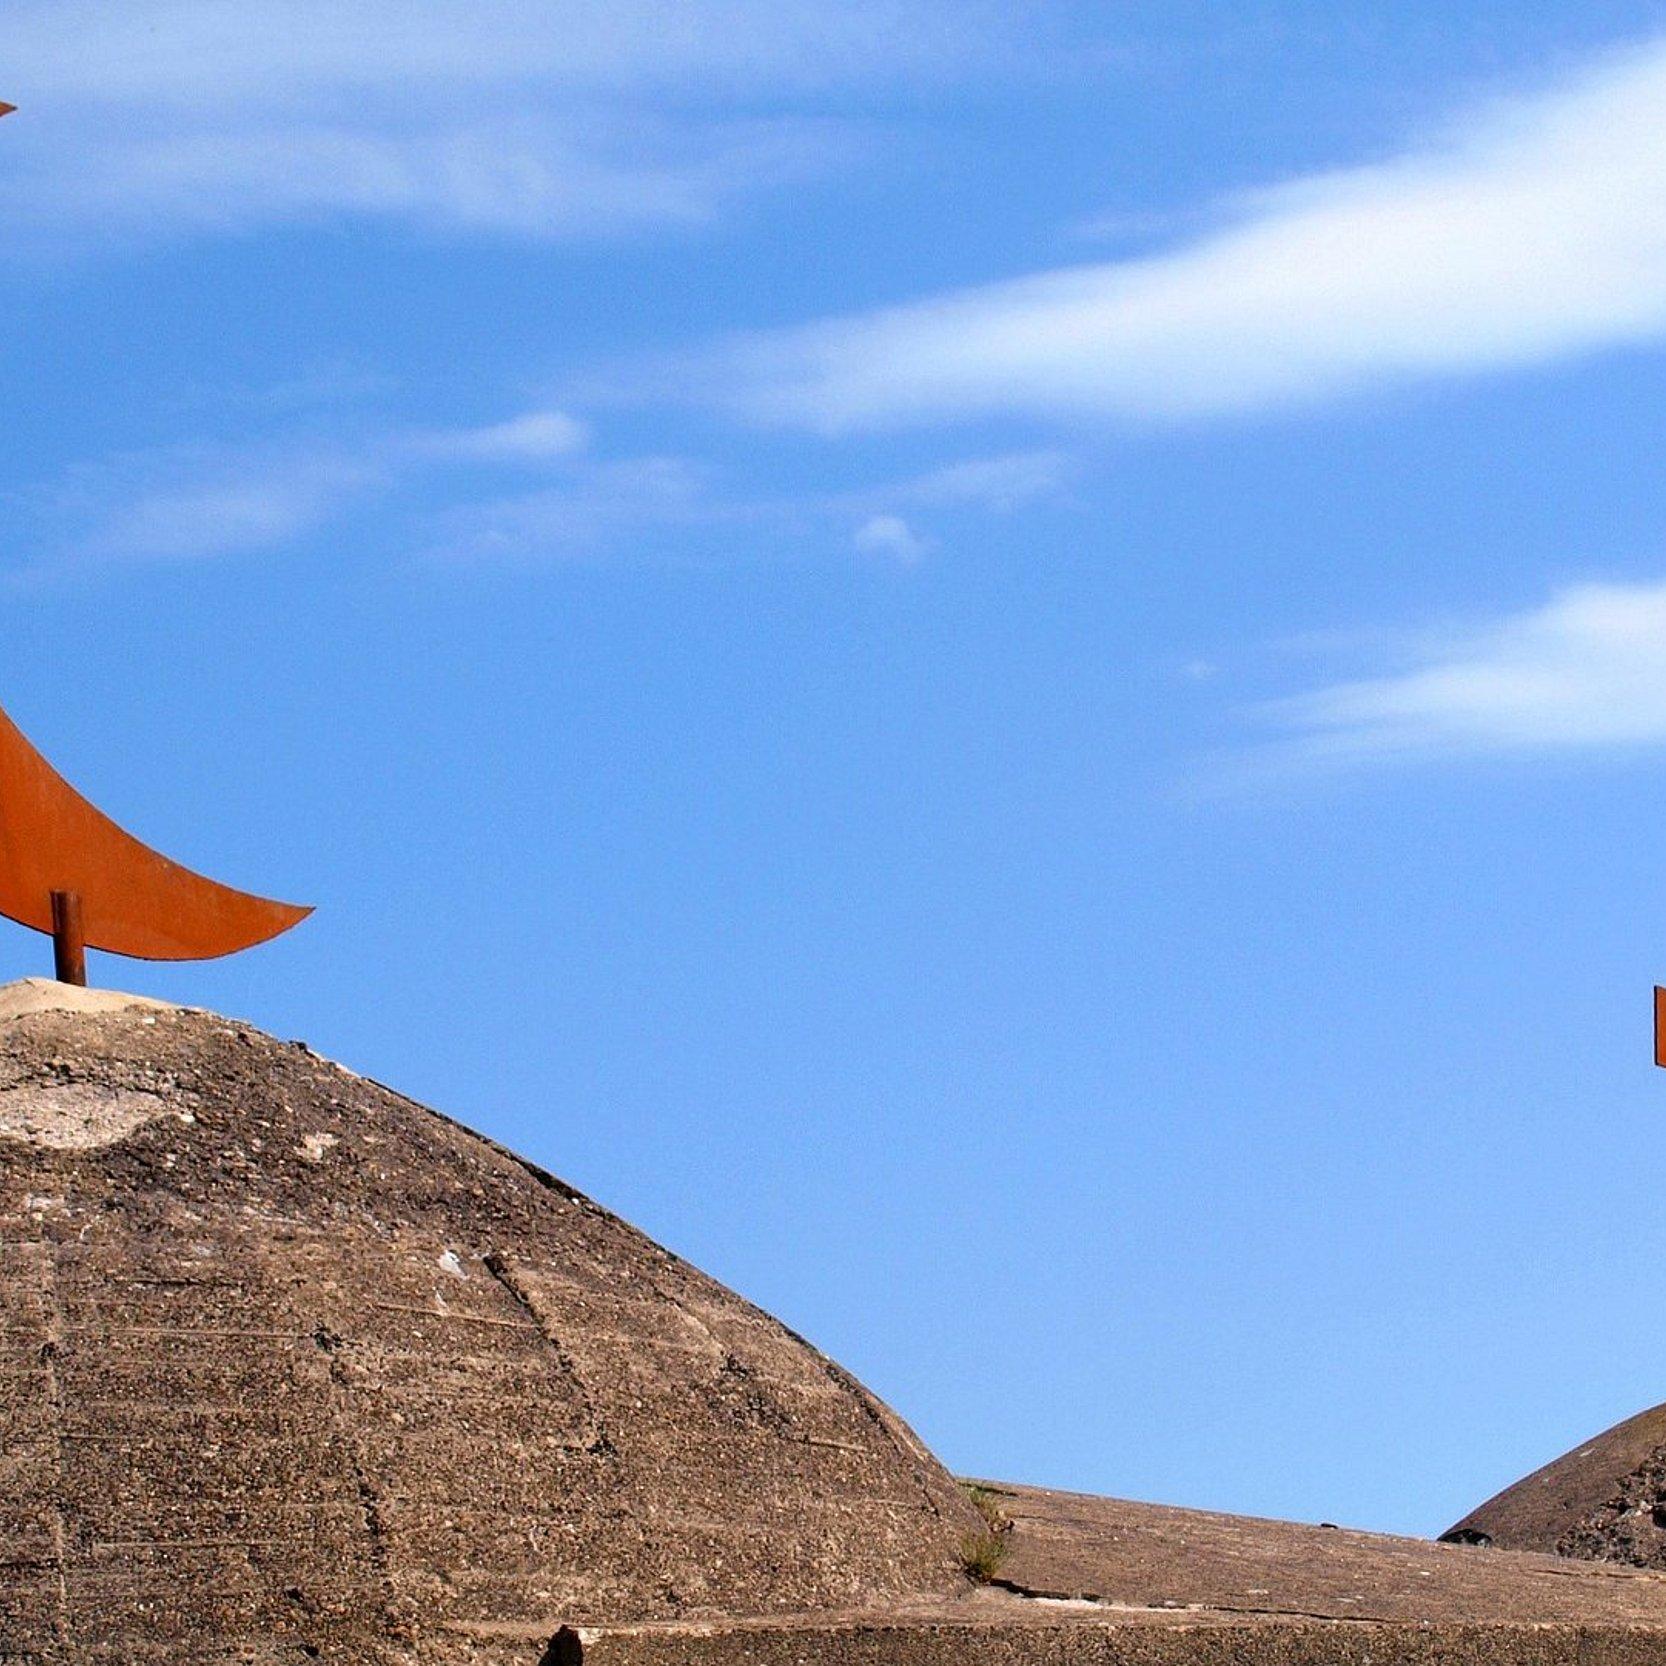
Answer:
(1033, 1593)
(598, 1441)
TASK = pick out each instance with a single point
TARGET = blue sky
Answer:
(1001, 668)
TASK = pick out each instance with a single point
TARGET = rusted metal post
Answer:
(69, 943)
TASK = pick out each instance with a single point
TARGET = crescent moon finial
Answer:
(67, 869)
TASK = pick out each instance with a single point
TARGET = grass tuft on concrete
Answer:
(981, 1554)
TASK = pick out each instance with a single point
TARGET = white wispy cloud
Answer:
(203, 53)
(1586, 670)
(597, 508)
(186, 504)
(1532, 229)
(597, 505)
(523, 489)
(521, 174)
(194, 502)
(890, 536)
(150, 118)
(215, 518)
(1003, 482)
(534, 436)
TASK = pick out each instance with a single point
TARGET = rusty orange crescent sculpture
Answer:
(67, 869)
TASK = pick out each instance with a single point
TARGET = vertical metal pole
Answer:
(69, 946)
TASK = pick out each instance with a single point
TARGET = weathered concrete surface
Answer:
(30, 995)
(1103, 1581)
(1149, 1556)
(1606, 1500)
(293, 1368)
(1115, 1643)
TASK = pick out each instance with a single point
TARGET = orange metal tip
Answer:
(5, 108)
(1660, 1026)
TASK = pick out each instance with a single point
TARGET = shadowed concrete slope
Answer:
(296, 1368)
(1605, 1500)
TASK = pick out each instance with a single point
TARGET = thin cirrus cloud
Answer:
(1533, 230)
(522, 489)
(607, 504)
(521, 174)
(1584, 671)
(194, 503)
(156, 118)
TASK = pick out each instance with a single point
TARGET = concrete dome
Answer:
(1604, 1500)
(297, 1369)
